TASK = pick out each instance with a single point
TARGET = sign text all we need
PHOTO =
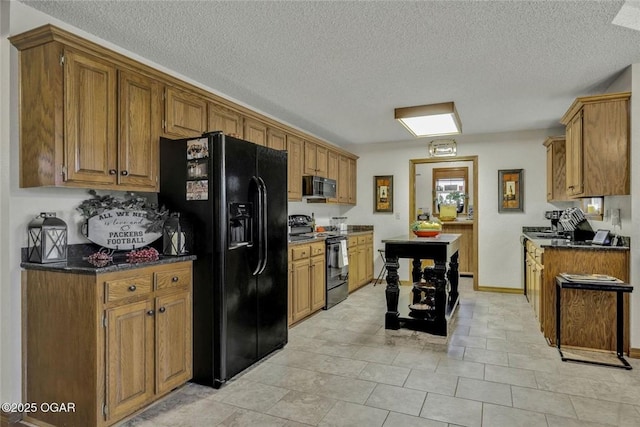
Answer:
(121, 229)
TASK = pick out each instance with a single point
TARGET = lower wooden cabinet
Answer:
(360, 250)
(111, 343)
(466, 260)
(307, 280)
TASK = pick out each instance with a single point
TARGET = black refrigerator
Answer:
(233, 194)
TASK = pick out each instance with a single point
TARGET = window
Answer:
(450, 187)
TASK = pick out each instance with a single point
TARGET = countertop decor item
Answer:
(176, 234)
(47, 239)
(510, 190)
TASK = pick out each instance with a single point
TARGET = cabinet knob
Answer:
(174, 279)
(150, 312)
(112, 172)
(124, 173)
(132, 288)
(162, 309)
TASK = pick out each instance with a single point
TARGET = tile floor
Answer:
(342, 368)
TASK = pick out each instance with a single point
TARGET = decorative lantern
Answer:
(175, 233)
(47, 239)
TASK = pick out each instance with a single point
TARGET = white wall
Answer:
(498, 232)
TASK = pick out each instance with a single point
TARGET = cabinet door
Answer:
(90, 113)
(276, 139)
(290, 296)
(139, 126)
(255, 131)
(317, 285)
(224, 119)
(294, 164)
(343, 179)
(352, 182)
(574, 155)
(173, 341)
(332, 171)
(362, 265)
(322, 159)
(369, 261)
(130, 358)
(301, 290)
(185, 113)
(310, 155)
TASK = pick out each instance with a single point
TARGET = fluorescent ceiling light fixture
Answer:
(629, 15)
(430, 120)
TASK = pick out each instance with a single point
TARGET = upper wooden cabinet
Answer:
(276, 139)
(72, 106)
(352, 180)
(185, 113)
(255, 131)
(315, 159)
(332, 172)
(225, 120)
(294, 163)
(597, 145)
(556, 169)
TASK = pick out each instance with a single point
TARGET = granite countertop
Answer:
(81, 265)
(532, 233)
(355, 230)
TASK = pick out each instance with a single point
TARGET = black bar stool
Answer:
(384, 267)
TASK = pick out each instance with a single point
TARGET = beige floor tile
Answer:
(302, 407)
(403, 420)
(542, 401)
(452, 410)
(484, 391)
(606, 413)
(345, 414)
(444, 384)
(503, 416)
(460, 368)
(385, 374)
(245, 418)
(514, 376)
(556, 421)
(566, 384)
(397, 399)
(254, 396)
(490, 357)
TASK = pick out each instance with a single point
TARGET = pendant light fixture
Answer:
(430, 120)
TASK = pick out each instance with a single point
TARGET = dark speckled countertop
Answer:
(78, 263)
(533, 234)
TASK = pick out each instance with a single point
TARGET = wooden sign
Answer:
(121, 229)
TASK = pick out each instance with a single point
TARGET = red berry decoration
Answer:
(142, 255)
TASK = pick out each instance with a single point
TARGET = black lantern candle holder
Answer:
(176, 236)
(47, 239)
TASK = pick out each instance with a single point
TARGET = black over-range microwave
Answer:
(318, 187)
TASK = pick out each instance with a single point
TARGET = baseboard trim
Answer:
(500, 290)
(634, 353)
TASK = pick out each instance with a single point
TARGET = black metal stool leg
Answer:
(383, 270)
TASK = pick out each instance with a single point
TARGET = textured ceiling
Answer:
(338, 69)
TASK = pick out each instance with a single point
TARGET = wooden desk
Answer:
(619, 289)
(441, 249)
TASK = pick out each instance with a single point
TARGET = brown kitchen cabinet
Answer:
(185, 113)
(134, 330)
(276, 139)
(352, 174)
(294, 167)
(347, 182)
(597, 145)
(307, 279)
(85, 122)
(466, 262)
(556, 169)
(333, 173)
(587, 317)
(360, 253)
(315, 159)
(225, 119)
(255, 131)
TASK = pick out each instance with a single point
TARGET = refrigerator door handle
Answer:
(263, 228)
(259, 225)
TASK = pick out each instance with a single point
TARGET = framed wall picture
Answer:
(510, 190)
(383, 193)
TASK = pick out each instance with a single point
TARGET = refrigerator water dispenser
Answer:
(240, 221)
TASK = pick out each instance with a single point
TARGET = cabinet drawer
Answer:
(172, 278)
(127, 287)
(353, 241)
(317, 248)
(300, 252)
(368, 238)
(362, 240)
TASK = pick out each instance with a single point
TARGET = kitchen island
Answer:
(442, 249)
